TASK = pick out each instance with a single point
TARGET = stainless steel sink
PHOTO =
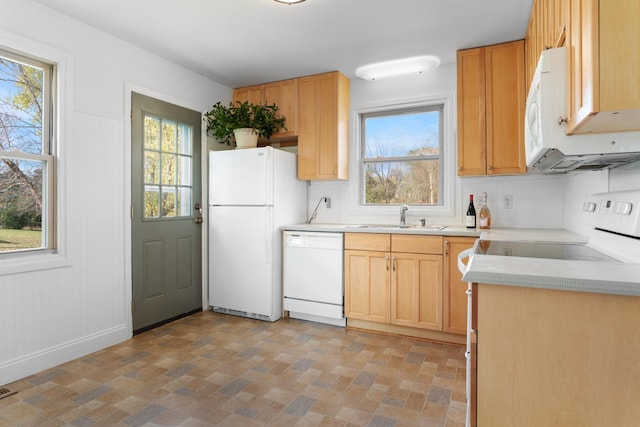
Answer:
(433, 227)
(399, 227)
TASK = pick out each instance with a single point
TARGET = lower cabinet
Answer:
(394, 279)
(455, 296)
(554, 357)
(368, 284)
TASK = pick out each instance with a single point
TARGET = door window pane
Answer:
(168, 168)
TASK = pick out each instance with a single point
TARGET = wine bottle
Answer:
(471, 213)
(485, 214)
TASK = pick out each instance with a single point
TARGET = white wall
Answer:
(538, 200)
(54, 315)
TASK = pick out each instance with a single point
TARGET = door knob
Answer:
(198, 219)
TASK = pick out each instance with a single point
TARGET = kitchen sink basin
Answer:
(399, 227)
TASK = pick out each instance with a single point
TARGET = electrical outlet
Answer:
(508, 202)
(328, 202)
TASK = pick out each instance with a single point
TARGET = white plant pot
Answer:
(246, 138)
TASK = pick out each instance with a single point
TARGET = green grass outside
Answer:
(11, 240)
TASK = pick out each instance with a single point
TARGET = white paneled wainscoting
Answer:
(54, 315)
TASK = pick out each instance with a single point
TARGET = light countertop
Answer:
(574, 275)
(384, 228)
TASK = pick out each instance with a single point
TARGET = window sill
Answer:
(27, 262)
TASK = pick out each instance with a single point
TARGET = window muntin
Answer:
(402, 157)
(26, 154)
(168, 165)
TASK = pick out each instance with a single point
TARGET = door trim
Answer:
(204, 148)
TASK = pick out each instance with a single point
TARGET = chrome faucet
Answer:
(403, 214)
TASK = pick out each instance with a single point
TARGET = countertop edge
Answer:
(555, 283)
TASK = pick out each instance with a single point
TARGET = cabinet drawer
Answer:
(367, 241)
(416, 244)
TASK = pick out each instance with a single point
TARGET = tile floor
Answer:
(214, 369)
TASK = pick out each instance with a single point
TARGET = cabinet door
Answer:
(285, 95)
(531, 50)
(471, 112)
(455, 297)
(583, 55)
(250, 94)
(416, 290)
(505, 98)
(367, 285)
(604, 89)
(323, 106)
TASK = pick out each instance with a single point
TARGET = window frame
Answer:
(432, 213)
(59, 128)
(363, 160)
(46, 155)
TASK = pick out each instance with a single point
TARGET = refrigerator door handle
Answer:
(267, 238)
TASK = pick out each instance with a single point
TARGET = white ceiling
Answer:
(244, 42)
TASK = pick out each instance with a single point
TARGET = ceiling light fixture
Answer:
(397, 67)
(289, 1)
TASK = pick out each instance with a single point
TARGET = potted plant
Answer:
(243, 118)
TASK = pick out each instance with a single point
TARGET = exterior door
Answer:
(166, 222)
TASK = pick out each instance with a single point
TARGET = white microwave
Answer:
(548, 148)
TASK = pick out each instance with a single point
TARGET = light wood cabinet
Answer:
(416, 290)
(251, 94)
(285, 95)
(282, 93)
(553, 357)
(603, 85)
(323, 127)
(455, 298)
(491, 102)
(367, 279)
(394, 279)
(547, 29)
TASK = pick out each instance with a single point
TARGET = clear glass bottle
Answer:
(484, 218)
(471, 213)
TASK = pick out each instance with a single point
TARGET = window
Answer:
(26, 154)
(402, 157)
(167, 168)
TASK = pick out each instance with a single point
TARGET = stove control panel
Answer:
(618, 212)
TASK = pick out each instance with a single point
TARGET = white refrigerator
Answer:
(252, 193)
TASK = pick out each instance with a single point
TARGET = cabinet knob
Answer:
(563, 120)
(489, 168)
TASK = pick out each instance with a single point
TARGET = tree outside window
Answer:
(25, 154)
(402, 156)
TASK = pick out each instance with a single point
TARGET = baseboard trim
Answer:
(30, 364)
(406, 331)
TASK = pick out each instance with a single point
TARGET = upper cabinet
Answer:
(250, 94)
(283, 93)
(603, 88)
(323, 127)
(604, 59)
(547, 29)
(491, 102)
(316, 109)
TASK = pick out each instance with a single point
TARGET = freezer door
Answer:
(241, 177)
(241, 262)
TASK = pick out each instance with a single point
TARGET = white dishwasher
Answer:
(313, 286)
